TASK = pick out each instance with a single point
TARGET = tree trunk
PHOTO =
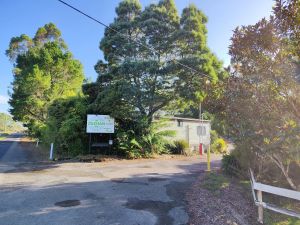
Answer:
(285, 171)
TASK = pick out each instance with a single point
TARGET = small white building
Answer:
(194, 131)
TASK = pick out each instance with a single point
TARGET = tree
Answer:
(194, 52)
(44, 70)
(262, 97)
(65, 126)
(287, 18)
(206, 85)
(141, 75)
(7, 124)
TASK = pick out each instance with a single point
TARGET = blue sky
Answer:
(83, 35)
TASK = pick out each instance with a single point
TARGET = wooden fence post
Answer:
(260, 207)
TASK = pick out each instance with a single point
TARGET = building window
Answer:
(179, 123)
(201, 130)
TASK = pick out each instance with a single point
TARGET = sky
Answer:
(83, 35)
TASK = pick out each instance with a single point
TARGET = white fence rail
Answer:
(259, 188)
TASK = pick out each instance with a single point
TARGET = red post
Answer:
(200, 149)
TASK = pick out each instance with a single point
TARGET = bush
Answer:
(230, 165)
(65, 126)
(213, 136)
(219, 146)
(126, 145)
(141, 139)
(179, 147)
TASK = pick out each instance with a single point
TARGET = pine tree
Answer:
(194, 52)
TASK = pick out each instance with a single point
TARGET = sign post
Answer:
(100, 124)
(97, 124)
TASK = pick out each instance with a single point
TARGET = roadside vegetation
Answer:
(8, 125)
(262, 99)
(262, 102)
(139, 77)
(254, 103)
(260, 107)
(3, 136)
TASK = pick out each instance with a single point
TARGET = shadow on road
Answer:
(146, 198)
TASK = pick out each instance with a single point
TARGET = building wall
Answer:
(189, 130)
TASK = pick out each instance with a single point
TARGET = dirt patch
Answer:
(98, 158)
(111, 158)
(34, 153)
(229, 204)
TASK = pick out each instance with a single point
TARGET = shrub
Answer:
(65, 126)
(136, 139)
(219, 146)
(230, 165)
(213, 136)
(127, 145)
(179, 147)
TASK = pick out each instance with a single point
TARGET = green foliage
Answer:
(8, 125)
(218, 125)
(213, 136)
(152, 140)
(179, 147)
(127, 146)
(3, 136)
(65, 126)
(195, 88)
(135, 82)
(141, 81)
(231, 165)
(287, 18)
(219, 146)
(44, 70)
(263, 95)
(156, 139)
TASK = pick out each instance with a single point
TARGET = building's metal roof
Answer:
(185, 119)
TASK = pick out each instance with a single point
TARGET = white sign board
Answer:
(100, 124)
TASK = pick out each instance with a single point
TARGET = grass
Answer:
(214, 182)
(3, 136)
(271, 218)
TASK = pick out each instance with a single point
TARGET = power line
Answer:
(127, 36)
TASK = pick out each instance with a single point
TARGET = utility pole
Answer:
(200, 130)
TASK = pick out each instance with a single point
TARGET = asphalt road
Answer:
(11, 150)
(4, 146)
(146, 192)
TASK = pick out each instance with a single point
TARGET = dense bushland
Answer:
(262, 97)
